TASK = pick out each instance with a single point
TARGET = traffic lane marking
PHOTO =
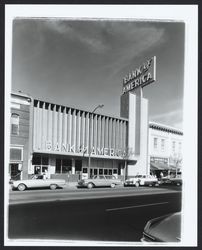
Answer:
(137, 206)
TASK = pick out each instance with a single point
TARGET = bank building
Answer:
(71, 143)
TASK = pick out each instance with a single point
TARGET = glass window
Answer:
(162, 144)
(67, 162)
(44, 160)
(40, 177)
(108, 177)
(105, 171)
(100, 171)
(37, 169)
(85, 170)
(44, 168)
(16, 154)
(155, 143)
(180, 147)
(173, 146)
(95, 171)
(78, 165)
(36, 160)
(66, 169)
(110, 171)
(15, 124)
(58, 169)
(115, 171)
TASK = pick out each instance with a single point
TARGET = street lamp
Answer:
(89, 136)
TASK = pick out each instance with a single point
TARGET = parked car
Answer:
(141, 180)
(176, 181)
(99, 181)
(163, 229)
(172, 181)
(38, 182)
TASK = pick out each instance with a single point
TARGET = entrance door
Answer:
(14, 171)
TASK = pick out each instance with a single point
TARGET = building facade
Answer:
(47, 137)
(20, 121)
(63, 135)
(165, 149)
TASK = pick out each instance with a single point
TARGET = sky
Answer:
(82, 63)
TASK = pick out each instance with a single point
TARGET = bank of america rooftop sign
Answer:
(141, 76)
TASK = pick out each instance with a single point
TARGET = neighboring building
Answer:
(165, 149)
(19, 135)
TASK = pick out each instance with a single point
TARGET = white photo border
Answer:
(185, 13)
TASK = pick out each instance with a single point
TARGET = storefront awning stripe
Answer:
(161, 166)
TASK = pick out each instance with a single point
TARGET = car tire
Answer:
(21, 187)
(113, 185)
(53, 186)
(90, 185)
(137, 184)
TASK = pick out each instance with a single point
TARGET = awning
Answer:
(161, 166)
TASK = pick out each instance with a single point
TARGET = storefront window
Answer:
(78, 165)
(85, 170)
(63, 166)
(100, 171)
(58, 166)
(105, 171)
(66, 169)
(115, 171)
(36, 160)
(44, 160)
(44, 168)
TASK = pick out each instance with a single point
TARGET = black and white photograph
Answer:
(101, 109)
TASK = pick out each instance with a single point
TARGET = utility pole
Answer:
(89, 136)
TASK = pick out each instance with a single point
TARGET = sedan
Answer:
(99, 181)
(141, 180)
(38, 182)
(163, 229)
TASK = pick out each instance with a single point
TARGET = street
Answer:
(101, 214)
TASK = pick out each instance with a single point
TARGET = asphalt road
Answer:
(100, 214)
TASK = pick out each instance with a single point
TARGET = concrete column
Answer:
(73, 166)
(52, 164)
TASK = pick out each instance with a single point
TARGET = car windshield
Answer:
(39, 177)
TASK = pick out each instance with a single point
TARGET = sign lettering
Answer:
(141, 76)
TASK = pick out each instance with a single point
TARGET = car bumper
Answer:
(128, 183)
(81, 185)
